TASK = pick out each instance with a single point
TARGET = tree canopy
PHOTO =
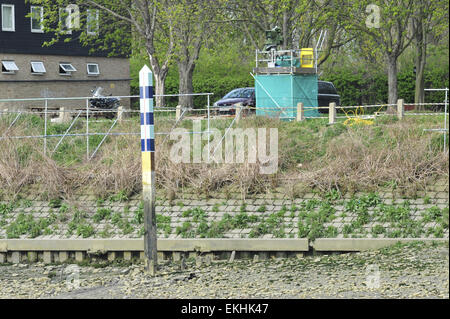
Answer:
(179, 37)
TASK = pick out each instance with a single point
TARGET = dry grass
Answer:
(403, 160)
(311, 155)
(18, 170)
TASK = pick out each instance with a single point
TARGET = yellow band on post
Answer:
(146, 162)
(146, 168)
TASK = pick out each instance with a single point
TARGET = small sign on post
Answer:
(148, 167)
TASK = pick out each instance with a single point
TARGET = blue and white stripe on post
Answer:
(147, 115)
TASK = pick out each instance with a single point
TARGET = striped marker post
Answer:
(148, 166)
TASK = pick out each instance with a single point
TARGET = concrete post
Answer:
(111, 255)
(332, 113)
(79, 256)
(176, 256)
(47, 257)
(400, 109)
(32, 256)
(2, 258)
(127, 255)
(15, 257)
(178, 113)
(233, 255)
(63, 256)
(300, 112)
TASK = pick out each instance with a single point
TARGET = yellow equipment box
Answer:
(307, 58)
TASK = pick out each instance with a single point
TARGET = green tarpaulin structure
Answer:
(277, 95)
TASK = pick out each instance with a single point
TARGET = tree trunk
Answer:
(186, 72)
(421, 51)
(392, 79)
(160, 90)
(160, 74)
(420, 83)
(285, 31)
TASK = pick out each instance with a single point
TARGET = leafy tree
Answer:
(429, 23)
(301, 21)
(384, 26)
(207, 45)
(193, 27)
(123, 25)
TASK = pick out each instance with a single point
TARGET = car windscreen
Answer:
(241, 93)
(326, 88)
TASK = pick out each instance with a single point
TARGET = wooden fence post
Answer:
(300, 112)
(148, 168)
(332, 113)
(178, 113)
(400, 109)
(120, 113)
(238, 112)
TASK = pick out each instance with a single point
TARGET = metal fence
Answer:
(445, 129)
(93, 115)
(90, 115)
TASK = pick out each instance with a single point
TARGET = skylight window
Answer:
(92, 69)
(9, 67)
(66, 69)
(38, 68)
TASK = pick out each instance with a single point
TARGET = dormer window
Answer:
(92, 22)
(69, 18)
(38, 68)
(37, 18)
(9, 67)
(8, 19)
(66, 69)
(65, 20)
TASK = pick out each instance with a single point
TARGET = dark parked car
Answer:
(246, 96)
(327, 94)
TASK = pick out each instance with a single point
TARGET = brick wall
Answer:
(114, 78)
